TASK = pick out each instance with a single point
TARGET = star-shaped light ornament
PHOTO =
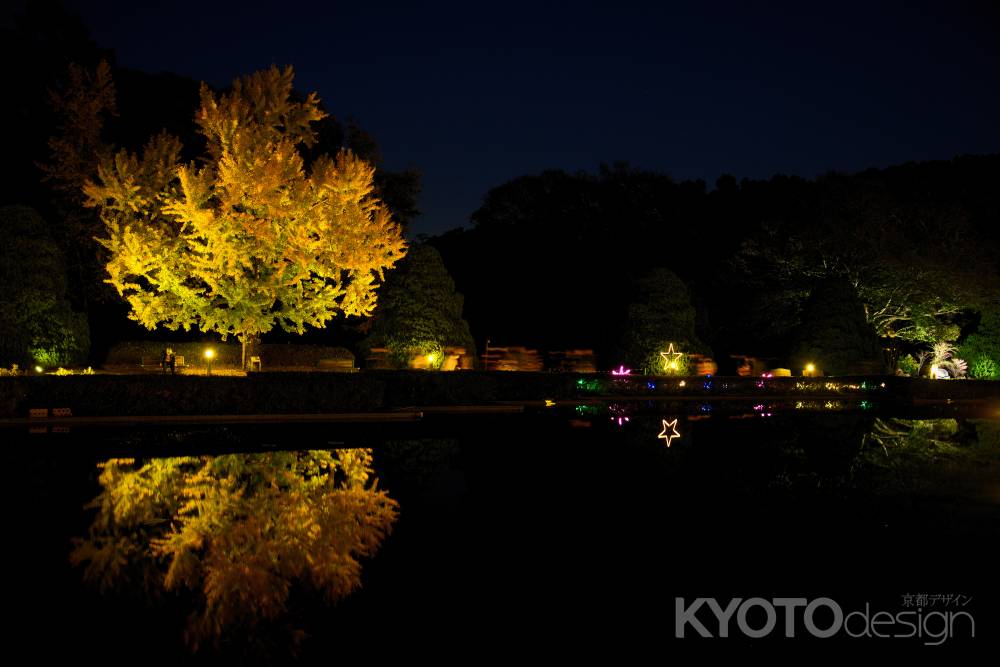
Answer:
(668, 363)
(669, 437)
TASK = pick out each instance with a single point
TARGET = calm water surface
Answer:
(560, 530)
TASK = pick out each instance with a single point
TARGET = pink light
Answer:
(621, 371)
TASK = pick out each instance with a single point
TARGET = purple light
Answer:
(621, 371)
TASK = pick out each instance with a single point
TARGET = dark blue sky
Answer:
(474, 94)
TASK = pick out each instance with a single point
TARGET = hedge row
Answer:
(227, 355)
(92, 395)
(308, 392)
(268, 393)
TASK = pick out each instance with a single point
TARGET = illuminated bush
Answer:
(656, 364)
(909, 365)
(37, 323)
(660, 314)
(419, 312)
(402, 350)
(984, 368)
(982, 347)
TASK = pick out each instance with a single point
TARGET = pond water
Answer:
(562, 530)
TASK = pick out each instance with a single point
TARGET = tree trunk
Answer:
(893, 356)
(250, 344)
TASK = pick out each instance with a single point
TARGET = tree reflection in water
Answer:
(932, 455)
(238, 533)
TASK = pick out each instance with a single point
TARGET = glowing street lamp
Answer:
(809, 370)
(209, 355)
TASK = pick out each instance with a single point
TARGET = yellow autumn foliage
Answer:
(237, 532)
(249, 237)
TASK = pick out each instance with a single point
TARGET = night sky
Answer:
(475, 94)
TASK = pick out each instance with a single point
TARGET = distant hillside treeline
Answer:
(551, 258)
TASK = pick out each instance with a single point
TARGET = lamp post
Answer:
(486, 356)
(209, 355)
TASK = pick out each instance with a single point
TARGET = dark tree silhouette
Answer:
(835, 335)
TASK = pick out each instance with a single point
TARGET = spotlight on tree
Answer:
(250, 237)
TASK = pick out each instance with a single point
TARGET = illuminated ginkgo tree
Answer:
(250, 237)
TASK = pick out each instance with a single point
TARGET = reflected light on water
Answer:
(235, 534)
(673, 434)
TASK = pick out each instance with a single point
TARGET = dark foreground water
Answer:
(555, 533)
